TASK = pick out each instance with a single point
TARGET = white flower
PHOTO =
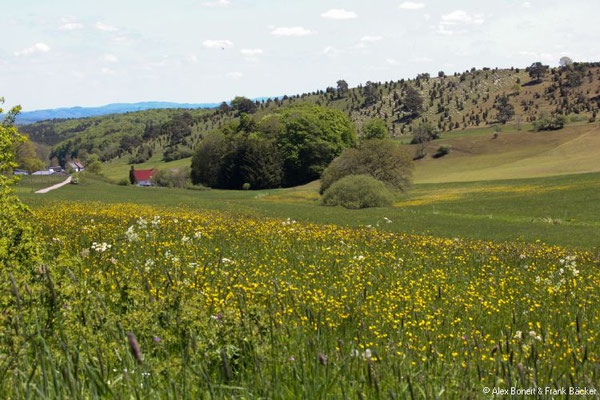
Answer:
(534, 335)
(185, 239)
(100, 247)
(132, 236)
(367, 354)
(149, 263)
(518, 335)
(142, 223)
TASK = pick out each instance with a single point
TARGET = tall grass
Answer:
(144, 302)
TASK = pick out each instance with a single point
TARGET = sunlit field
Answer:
(166, 303)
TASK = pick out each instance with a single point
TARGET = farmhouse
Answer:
(143, 177)
(76, 165)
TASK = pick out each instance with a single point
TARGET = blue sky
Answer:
(76, 52)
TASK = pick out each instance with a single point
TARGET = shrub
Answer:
(173, 178)
(246, 186)
(424, 133)
(549, 123)
(442, 151)
(357, 191)
(123, 182)
(384, 160)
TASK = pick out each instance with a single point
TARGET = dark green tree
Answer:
(412, 101)
(342, 87)
(243, 105)
(505, 110)
(537, 71)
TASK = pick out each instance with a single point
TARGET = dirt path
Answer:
(58, 185)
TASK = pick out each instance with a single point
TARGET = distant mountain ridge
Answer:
(28, 117)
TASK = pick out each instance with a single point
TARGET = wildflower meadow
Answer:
(147, 302)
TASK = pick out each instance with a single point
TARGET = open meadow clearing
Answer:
(562, 210)
(222, 306)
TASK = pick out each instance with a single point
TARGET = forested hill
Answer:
(475, 98)
(28, 117)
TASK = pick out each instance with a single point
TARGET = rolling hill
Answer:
(461, 105)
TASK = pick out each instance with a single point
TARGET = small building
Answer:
(76, 165)
(20, 172)
(143, 177)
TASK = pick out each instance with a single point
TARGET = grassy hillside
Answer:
(513, 154)
(456, 103)
(561, 210)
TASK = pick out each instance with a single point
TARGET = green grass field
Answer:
(522, 185)
(561, 210)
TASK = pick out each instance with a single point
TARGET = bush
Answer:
(442, 151)
(123, 182)
(173, 178)
(384, 160)
(549, 123)
(424, 133)
(357, 191)
(246, 186)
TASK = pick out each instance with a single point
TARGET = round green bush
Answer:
(357, 191)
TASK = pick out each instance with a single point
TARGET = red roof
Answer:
(143, 174)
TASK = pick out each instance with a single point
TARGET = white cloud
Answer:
(71, 26)
(217, 3)
(527, 4)
(36, 48)
(367, 40)
(291, 31)
(252, 52)
(106, 28)
(337, 13)
(217, 44)
(457, 21)
(391, 61)
(107, 71)
(234, 75)
(370, 39)
(110, 58)
(410, 5)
